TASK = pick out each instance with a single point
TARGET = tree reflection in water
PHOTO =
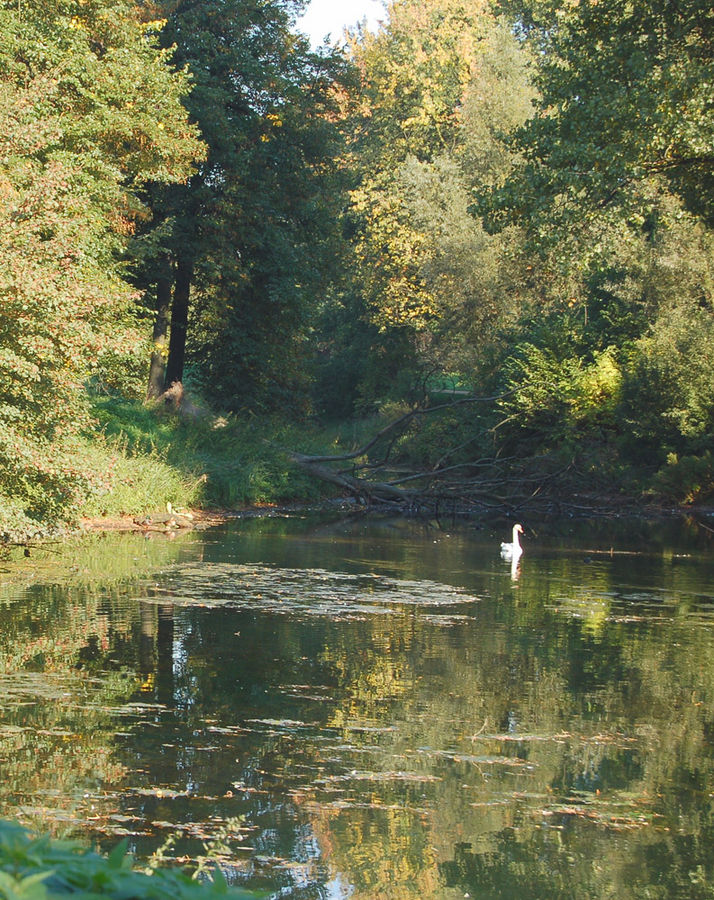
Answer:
(374, 709)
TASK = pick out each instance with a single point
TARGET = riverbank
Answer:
(137, 459)
(142, 466)
(198, 519)
(201, 519)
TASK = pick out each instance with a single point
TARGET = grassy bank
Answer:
(151, 456)
(137, 458)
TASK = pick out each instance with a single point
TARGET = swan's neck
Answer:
(516, 542)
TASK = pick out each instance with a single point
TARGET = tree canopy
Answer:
(625, 96)
(514, 201)
(82, 87)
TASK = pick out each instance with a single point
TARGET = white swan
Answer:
(513, 550)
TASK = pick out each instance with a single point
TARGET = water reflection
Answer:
(515, 568)
(375, 709)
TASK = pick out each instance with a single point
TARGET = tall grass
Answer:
(138, 458)
(149, 456)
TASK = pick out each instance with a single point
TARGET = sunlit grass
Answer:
(147, 457)
(138, 458)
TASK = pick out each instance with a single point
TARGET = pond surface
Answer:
(374, 708)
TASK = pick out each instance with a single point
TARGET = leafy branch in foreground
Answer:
(40, 869)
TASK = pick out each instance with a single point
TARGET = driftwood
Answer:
(479, 485)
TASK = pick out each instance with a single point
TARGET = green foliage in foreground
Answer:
(37, 869)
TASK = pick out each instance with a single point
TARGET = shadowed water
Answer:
(374, 708)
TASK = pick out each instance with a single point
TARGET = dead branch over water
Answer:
(484, 484)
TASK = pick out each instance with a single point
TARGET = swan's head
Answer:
(518, 529)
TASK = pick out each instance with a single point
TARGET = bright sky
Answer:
(331, 16)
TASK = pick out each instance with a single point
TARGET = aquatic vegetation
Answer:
(313, 592)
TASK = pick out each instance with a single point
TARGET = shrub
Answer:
(40, 869)
(687, 479)
(671, 387)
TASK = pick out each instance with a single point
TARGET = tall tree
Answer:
(245, 233)
(615, 189)
(81, 83)
(441, 83)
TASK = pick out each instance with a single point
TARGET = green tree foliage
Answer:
(247, 237)
(523, 203)
(625, 95)
(533, 212)
(441, 85)
(414, 74)
(81, 83)
(613, 185)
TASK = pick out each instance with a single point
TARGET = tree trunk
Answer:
(179, 322)
(159, 354)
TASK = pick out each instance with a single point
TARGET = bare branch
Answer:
(402, 420)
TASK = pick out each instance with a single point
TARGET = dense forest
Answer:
(465, 259)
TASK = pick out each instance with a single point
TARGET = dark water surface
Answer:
(374, 708)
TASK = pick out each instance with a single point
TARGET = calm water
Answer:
(374, 709)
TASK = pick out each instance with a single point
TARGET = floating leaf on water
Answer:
(141, 707)
(317, 697)
(228, 729)
(162, 793)
(415, 777)
(655, 620)
(598, 817)
(480, 760)
(371, 729)
(559, 738)
(301, 591)
(245, 789)
(173, 826)
(280, 723)
(445, 619)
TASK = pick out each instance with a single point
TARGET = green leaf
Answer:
(118, 855)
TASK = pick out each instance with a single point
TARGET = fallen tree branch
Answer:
(506, 482)
(367, 490)
(402, 420)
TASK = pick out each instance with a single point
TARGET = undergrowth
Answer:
(136, 459)
(153, 456)
(40, 869)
